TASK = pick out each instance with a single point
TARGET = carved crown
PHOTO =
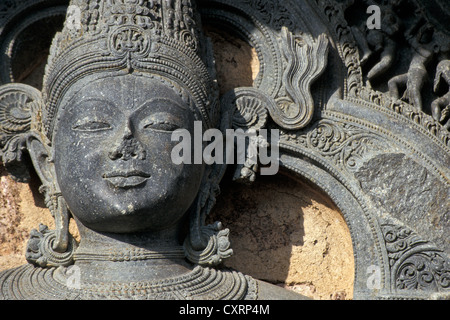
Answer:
(161, 37)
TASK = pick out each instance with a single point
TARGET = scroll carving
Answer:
(342, 144)
(381, 78)
(415, 264)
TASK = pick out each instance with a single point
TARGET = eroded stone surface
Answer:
(420, 200)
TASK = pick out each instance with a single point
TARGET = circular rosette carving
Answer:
(18, 104)
(14, 113)
(250, 108)
(41, 252)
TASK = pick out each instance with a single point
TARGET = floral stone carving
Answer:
(121, 75)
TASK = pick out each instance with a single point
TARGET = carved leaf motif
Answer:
(249, 108)
(306, 61)
(250, 113)
(217, 249)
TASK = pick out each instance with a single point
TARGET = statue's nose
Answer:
(127, 148)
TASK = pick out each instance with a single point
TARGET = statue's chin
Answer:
(127, 219)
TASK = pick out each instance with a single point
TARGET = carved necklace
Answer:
(29, 282)
(128, 254)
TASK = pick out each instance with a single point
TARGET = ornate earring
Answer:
(52, 248)
(207, 245)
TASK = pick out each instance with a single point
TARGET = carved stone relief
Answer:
(362, 113)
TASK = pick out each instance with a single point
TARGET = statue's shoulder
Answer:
(268, 291)
(28, 282)
(9, 283)
(234, 285)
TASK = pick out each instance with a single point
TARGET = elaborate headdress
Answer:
(161, 37)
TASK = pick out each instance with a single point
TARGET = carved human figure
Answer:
(384, 42)
(440, 107)
(417, 74)
(381, 41)
(427, 44)
(99, 136)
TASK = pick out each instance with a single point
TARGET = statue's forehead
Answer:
(127, 91)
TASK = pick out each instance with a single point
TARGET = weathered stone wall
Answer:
(284, 231)
(288, 232)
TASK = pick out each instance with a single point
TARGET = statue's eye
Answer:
(159, 125)
(92, 126)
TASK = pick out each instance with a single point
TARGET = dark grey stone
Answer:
(363, 114)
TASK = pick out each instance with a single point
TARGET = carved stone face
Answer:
(113, 155)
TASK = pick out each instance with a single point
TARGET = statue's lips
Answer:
(126, 179)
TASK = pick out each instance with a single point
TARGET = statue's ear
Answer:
(19, 107)
(40, 155)
(63, 244)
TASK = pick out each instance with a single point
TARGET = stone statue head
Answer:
(121, 77)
